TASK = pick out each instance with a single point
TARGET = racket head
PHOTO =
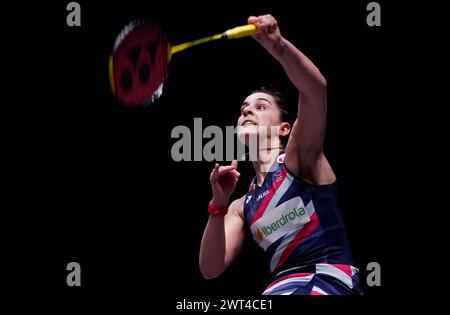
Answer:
(139, 63)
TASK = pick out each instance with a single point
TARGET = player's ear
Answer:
(284, 130)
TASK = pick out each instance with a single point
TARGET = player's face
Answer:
(259, 112)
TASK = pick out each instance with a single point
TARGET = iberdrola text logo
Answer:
(291, 216)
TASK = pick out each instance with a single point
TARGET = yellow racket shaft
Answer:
(237, 32)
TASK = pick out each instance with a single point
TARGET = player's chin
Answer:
(247, 134)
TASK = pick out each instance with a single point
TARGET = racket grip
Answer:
(241, 31)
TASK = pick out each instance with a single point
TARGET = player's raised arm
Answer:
(304, 155)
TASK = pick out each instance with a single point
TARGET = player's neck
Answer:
(264, 162)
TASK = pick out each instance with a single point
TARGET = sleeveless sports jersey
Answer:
(299, 227)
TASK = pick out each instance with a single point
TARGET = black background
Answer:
(94, 182)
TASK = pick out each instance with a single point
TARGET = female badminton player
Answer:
(291, 207)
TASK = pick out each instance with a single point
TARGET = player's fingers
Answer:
(226, 168)
(252, 19)
(215, 172)
(224, 172)
(235, 173)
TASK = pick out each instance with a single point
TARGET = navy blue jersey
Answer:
(299, 227)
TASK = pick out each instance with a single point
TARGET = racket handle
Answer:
(241, 31)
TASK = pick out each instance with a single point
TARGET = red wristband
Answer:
(216, 211)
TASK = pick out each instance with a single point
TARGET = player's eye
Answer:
(260, 107)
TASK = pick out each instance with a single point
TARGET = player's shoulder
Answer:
(237, 206)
